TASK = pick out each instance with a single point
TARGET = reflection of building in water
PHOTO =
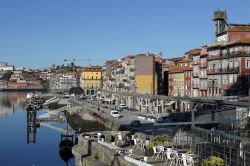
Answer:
(4, 111)
(31, 126)
(10, 101)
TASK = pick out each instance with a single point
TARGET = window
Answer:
(247, 49)
(236, 63)
(247, 63)
(231, 79)
(248, 78)
(231, 64)
(224, 52)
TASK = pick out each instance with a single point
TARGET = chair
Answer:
(190, 161)
(137, 144)
(156, 152)
(185, 160)
(169, 156)
(119, 138)
(162, 152)
(146, 142)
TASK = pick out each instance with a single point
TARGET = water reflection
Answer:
(11, 101)
(67, 137)
(65, 148)
(31, 126)
(22, 142)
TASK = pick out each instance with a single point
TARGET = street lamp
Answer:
(178, 100)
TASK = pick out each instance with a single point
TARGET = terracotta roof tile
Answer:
(194, 51)
(239, 28)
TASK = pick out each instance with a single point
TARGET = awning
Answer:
(171, 102)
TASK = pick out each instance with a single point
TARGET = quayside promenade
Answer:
(198, 140)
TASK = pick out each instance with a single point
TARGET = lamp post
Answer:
(178, 100)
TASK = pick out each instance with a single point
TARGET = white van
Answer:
(115, 114)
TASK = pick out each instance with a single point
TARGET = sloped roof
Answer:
(194, 51)
(239, 28)
(241, 41)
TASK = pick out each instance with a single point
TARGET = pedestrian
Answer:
(98, 109)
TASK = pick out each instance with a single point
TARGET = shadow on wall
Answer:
(240, 88)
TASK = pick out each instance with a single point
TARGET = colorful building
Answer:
(229, 58)
(91, 79)
(141, 73)
(176, 81)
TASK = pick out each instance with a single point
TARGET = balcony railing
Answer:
(203, 76)
(226, 86)
(196, 62)
(247, 53)
(213, 71)
(203, 87)
(203, 65)
(213, 57)
(231, 54)
(230, 70)
(195, 74)
(212, 84)
(195, 85)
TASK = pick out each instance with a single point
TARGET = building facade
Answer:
(141, 73)
(91, 79)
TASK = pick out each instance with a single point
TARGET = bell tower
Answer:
(221, 23)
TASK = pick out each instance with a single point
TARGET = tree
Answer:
(213, 161)
(76, 90)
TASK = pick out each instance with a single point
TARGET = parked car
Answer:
(166, 119)
(115, 114)
(135, 123)
(122, 106)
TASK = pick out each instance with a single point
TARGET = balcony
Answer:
(230, 70)
(203, 65)
(213, 71)
(195, 74)
(231, 54)
(247, 53)
(212, 84)
(213, 57)
(195, 62)
(226, 86)
(203, 87)
(195, 86)
(203, 76)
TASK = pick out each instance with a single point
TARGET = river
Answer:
(17, 147)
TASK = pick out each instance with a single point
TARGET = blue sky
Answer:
(38, 33)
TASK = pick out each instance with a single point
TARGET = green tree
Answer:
(76, 90)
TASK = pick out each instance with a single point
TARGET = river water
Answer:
(17, 147)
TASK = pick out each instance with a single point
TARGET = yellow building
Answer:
(91, 79)
(148, 74)
(176, 81)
